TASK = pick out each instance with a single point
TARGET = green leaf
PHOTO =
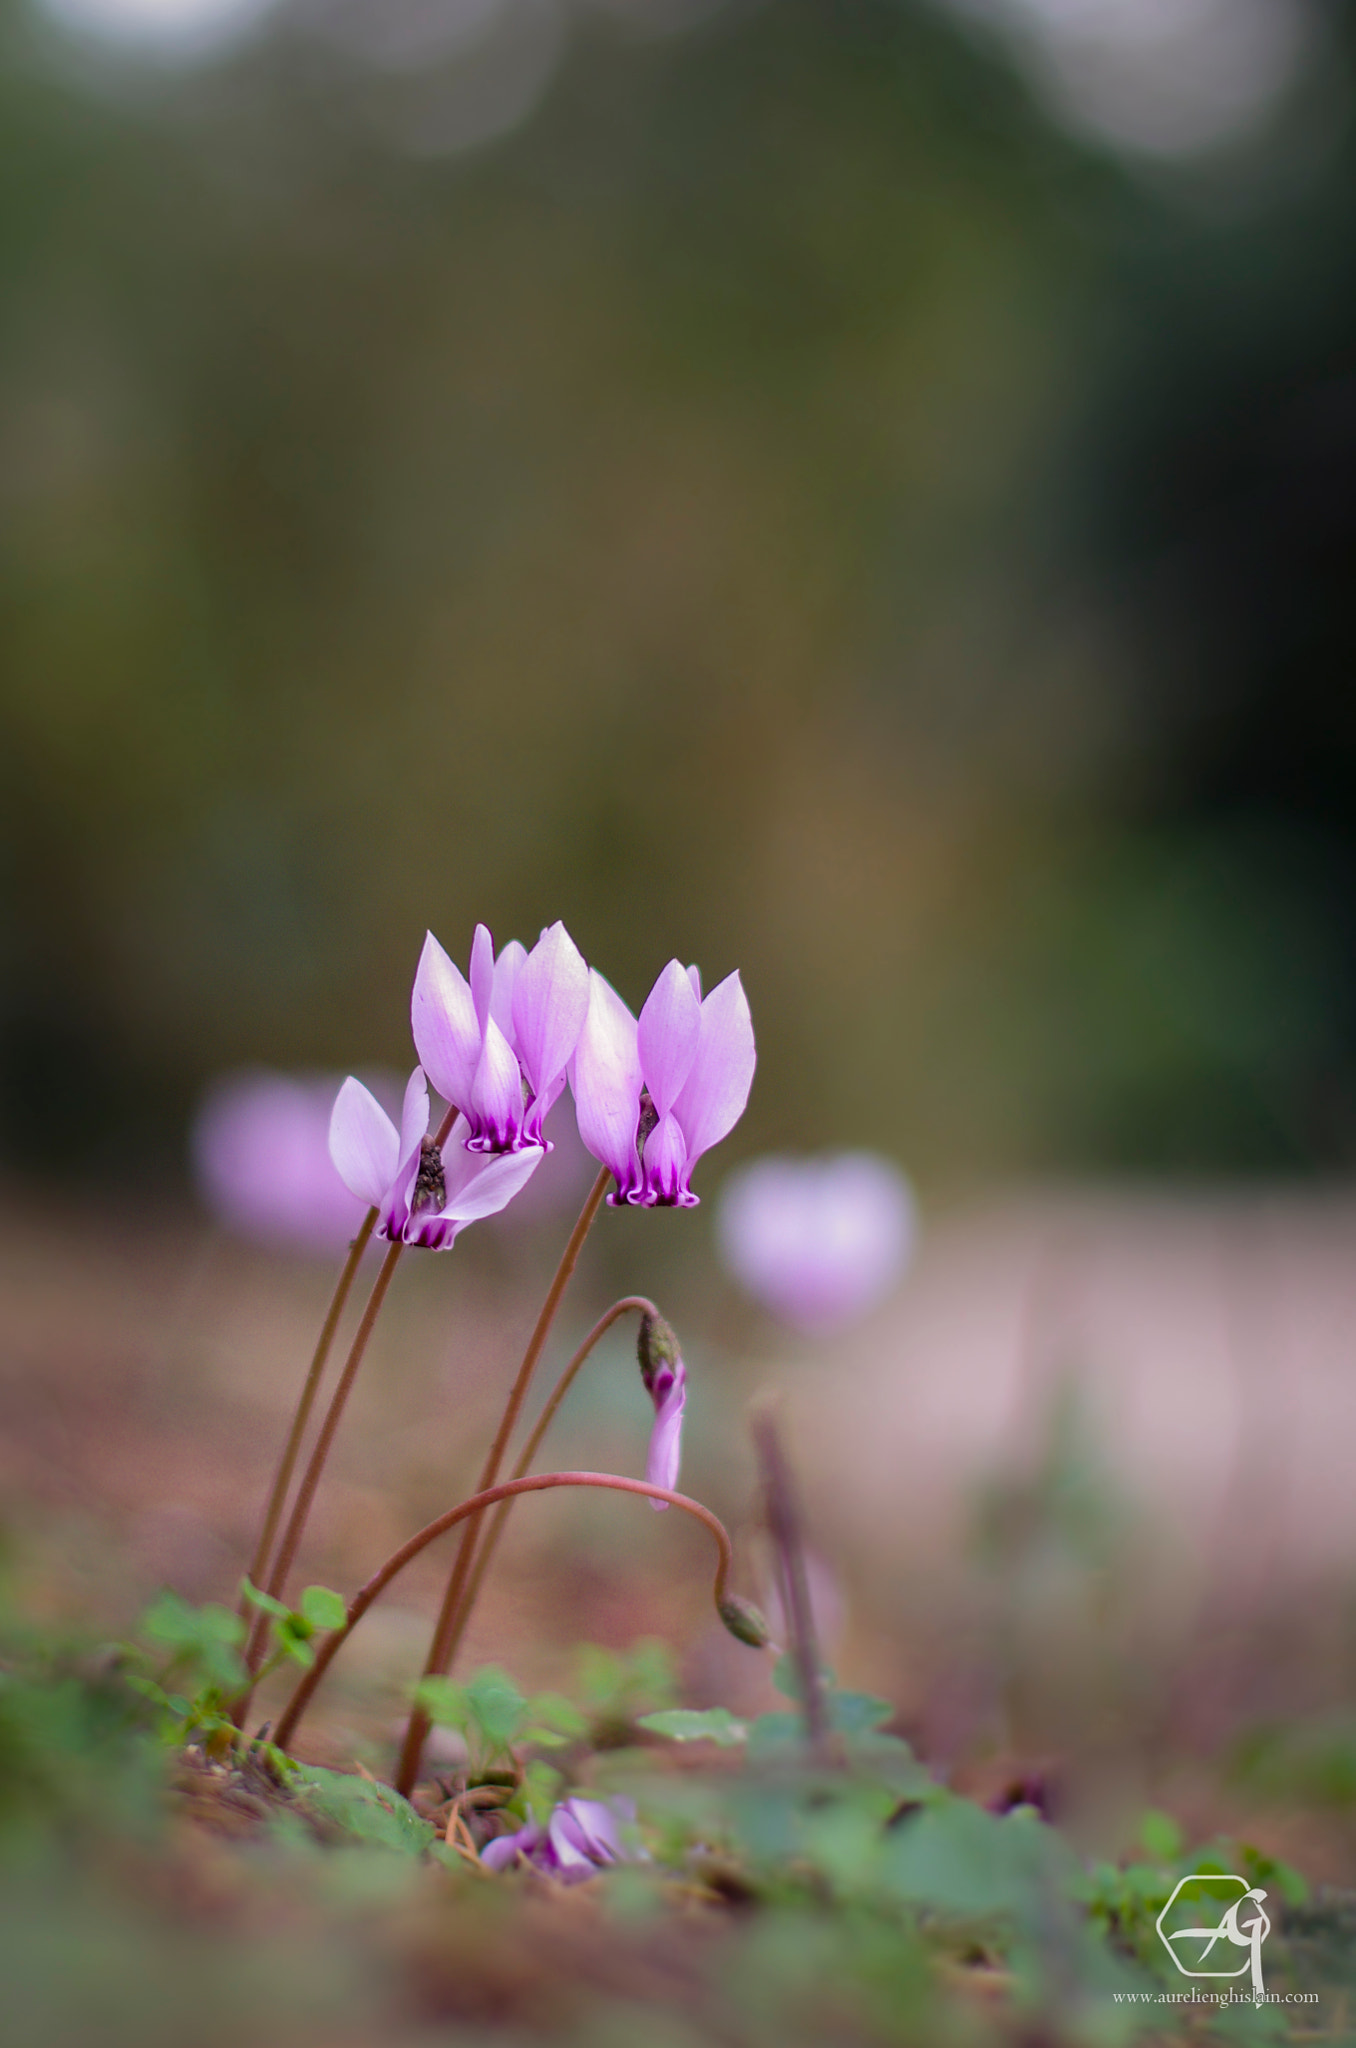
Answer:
(323, 1609)
(684, 1724)
(858, 1713)
(540, 1789)
(496, 1705)
(552, 1710)
(444, 1701)
(772, 1734)
(957, 1859)
(265, 1602)
(786, 1676)
(205, 1637)
(355, 1807)
(293, 1635)
(1161, 1836)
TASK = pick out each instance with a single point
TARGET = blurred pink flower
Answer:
(261, 1158)
(580, 1839)
(817, 1241)
(652, 1095)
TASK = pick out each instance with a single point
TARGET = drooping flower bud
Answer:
(744, 1621)
(665, 1377)
(656, 1345)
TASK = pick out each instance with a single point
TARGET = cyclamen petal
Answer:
(495, 1107)
(550, 1004)
(717, 1089)
(669, 1393)
(506, 971)
(414, 1114)
(481, 1184)
(667, 1035)
(482, 973)
(461, 1187)
(581, 1838)
(364, 1143)
(666, 1167)
(606, 1083)
(447, 1033)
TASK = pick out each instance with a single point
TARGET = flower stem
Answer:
(537, 1482)
(282, 1478)
(310, 1479)
(784, 1526)
(494, 1528)
(439, 1652)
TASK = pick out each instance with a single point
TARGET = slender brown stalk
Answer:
(418, 1728)
(282, 1478)
(494, 1528)
(537, 1482)
(301, 1507)
(784, 1526)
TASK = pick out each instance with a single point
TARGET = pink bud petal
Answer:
(666, 1438)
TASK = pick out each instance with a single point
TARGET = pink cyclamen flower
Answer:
(580, 1839)
(260, 1147)
(652, 1095)
(423, 1196)
(665, 1377)
(817, 1241)
(498, 1045)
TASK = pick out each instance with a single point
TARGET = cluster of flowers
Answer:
(651, 1095)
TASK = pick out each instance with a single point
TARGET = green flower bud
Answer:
(744, 1621)
(656, 1345)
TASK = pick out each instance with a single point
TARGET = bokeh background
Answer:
(861, 491)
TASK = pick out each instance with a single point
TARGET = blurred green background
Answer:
(770, 492)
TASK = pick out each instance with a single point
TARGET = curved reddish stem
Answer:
(537, 1482)
(415, 1734)
(495, 1527)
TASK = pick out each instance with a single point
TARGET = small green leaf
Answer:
(355, 1806)
(552, 1710)
(265, 1602)
(771, 1733)
(786, 1677)
(1161, 1836)
(206, 1636)
(684, 1724)
(496, 1705)
(444, 1701)
(857, 1713)
(293, 1637)
(323, 1608)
